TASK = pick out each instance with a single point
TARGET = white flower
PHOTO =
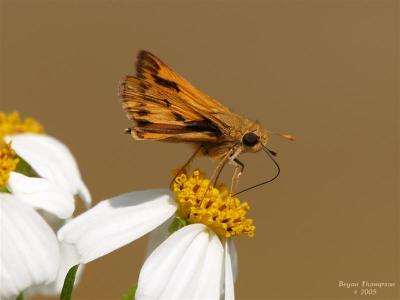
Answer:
(29, 248)
(53, 162)
(189, 264)
(50, 190)
(192, 263)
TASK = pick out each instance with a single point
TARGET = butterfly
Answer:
(166, 107)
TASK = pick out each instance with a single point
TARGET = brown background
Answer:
(326, 71)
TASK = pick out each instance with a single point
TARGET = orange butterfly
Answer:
(168, 108)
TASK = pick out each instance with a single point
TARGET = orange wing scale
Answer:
(167, 107)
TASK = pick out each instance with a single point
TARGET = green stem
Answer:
(20, 296)
(129, 295)
(68, 286)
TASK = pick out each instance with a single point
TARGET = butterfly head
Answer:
(254, 138)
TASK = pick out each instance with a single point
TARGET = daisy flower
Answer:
(38, 180)
(54, 166)
(196, 261)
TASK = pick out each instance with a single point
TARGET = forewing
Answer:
(162, 115)
(151, 69)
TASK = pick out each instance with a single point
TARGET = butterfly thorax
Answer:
(244, 136)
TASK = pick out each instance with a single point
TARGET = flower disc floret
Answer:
(213, 206)
(12, 124)
(8, 162)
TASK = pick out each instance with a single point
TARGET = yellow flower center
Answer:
(8, 162)
(12, 123)
(212, 206)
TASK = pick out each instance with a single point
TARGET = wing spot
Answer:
(145, 56)
(178, 117)
(165, 82)
(139, 134)
(167, 103)
(143, 112)
(146, 62)
(142, 87)
(204, 125)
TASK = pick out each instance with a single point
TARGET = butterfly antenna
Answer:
(271, 155)
(284, 135)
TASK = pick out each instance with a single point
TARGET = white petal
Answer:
(29, 248)
(68, 258)
(234, 258)
(116, 222)
(188, 265)
(84, 194)
(51, 159)
(229, 277)
(43, 194)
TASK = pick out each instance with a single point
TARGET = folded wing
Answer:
(167, 107)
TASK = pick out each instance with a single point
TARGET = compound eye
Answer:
(250, 139)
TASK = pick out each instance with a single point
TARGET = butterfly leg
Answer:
(239, 167)
(187, 164)
(218, 169)
(231, 156)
